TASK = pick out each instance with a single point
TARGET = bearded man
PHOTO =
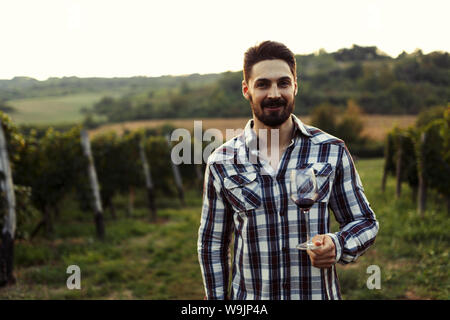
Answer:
(247, 194)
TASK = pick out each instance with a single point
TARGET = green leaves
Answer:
(424, 151)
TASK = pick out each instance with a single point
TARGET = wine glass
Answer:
(304, 194)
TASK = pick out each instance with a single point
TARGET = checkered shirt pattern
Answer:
(249, 201)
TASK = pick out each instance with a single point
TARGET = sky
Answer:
(124, 38)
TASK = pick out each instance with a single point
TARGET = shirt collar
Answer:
(300, 126)
(251, 138)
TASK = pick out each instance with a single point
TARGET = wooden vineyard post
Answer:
(148, 182)
(399, 167)
(199, 176)
(388, 150)
(177, 176)
(422, 193)
(383, 180)
(99, 223)
(8, 203)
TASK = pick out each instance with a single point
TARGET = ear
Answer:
(295, 88)
(245, 90)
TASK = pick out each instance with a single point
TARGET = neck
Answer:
(284, 133)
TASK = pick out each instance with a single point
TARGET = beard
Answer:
(276, 117)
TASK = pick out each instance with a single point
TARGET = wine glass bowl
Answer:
(304, 194)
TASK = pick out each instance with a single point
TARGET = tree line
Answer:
(378, 83)
(26, 87)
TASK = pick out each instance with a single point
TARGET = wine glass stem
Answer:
(306, 215)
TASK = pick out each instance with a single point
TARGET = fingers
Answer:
(326, 245)
(318, 239)
(323, 257)
(320, 259)
(323, 263)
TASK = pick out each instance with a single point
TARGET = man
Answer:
(247, 195)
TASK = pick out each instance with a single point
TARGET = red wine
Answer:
(304, 203)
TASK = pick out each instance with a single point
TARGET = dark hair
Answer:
(268, 50)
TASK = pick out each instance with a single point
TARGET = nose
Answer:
(274, 92)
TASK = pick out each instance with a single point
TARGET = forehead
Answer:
(270, 69)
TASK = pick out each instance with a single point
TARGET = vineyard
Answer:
(41, 170)
(420, 156)
(116, 206)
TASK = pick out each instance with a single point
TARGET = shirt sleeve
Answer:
(214, 237)
(358, 224)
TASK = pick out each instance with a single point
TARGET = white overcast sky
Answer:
(122, 38)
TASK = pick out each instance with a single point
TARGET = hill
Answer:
(378, 83)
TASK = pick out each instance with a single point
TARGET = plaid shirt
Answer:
(250, 200)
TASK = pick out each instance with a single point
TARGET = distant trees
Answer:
(25, 87)
(376, 82)
(372, 80)
(4, 107)
(357, 53)
(346, 124)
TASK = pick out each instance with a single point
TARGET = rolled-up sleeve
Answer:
(214, 237)
(358, 224)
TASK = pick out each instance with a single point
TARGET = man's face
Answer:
(271, 90)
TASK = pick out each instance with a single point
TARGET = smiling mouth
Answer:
(273, 107)
(274, 104)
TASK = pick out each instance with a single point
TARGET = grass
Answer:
(142, 260)
(412, 252)
(137, 260)
(54, 110)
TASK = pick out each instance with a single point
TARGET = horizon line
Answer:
(316, 53)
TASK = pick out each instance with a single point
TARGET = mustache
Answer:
(277, 102)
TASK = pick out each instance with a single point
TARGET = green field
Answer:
(140, 260)
(412, 252)
(54, 110)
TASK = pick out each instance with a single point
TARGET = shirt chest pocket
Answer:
(243, 191)
(324, 173)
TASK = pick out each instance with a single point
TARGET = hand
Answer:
(325, 256)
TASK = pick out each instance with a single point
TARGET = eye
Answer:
(284, 83)
(261, 84)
